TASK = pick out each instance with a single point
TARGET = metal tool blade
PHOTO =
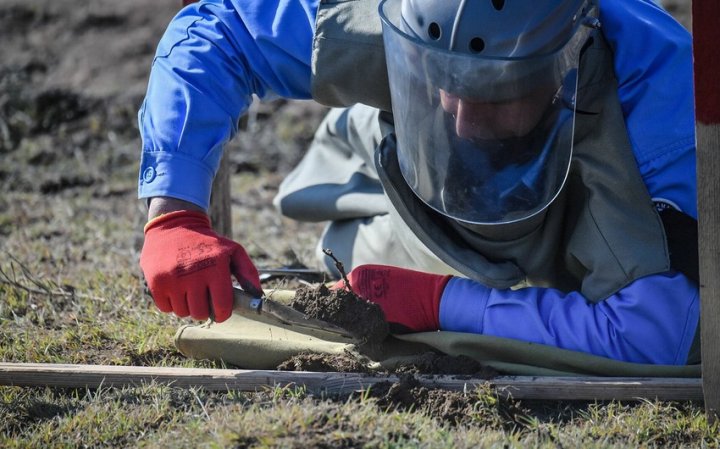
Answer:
(307, 274)
(267, 311)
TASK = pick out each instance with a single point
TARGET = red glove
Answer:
(410, 299)
(187, 266)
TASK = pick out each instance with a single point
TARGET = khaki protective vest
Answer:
(599, 235)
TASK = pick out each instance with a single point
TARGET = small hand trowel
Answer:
(268, 311)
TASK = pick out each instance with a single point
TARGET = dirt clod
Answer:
(323, 363)
(434, 363)
(363, 319)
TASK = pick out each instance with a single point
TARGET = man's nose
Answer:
(471, 118)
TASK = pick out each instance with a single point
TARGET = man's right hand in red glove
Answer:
(187, 266)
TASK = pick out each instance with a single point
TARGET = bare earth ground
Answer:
(72, 77)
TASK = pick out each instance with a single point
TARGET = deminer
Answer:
(515, 168)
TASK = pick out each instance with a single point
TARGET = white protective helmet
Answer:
(483, 96)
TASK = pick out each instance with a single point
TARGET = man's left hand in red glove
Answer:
(410, 299)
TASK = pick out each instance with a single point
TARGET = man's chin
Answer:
(492, 141)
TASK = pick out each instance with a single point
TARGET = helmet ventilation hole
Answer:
(434, 31)
(498, 4)
(477, 45)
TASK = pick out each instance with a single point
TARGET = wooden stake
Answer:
(706, 52)
(518, 387)
(220, 199)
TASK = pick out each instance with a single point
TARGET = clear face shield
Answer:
(482, 140)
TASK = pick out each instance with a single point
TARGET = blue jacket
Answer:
(216, 54)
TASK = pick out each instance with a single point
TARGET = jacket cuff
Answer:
(462, 306)
(175, 175)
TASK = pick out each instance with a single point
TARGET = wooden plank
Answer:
(519, 387)
(706, 35)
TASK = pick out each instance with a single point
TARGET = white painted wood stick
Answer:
(519, 387)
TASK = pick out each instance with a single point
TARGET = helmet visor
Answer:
(481, 140)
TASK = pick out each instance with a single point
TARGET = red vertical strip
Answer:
(706, 51)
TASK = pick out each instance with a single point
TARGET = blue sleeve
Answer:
(652, 320)
(653, 63)
(213, 57)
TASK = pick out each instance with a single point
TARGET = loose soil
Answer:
(427, 363)
(443, 364)
(363, 319)
(324, 363)
(408, 394)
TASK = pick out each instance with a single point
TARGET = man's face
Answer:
(482, 120)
